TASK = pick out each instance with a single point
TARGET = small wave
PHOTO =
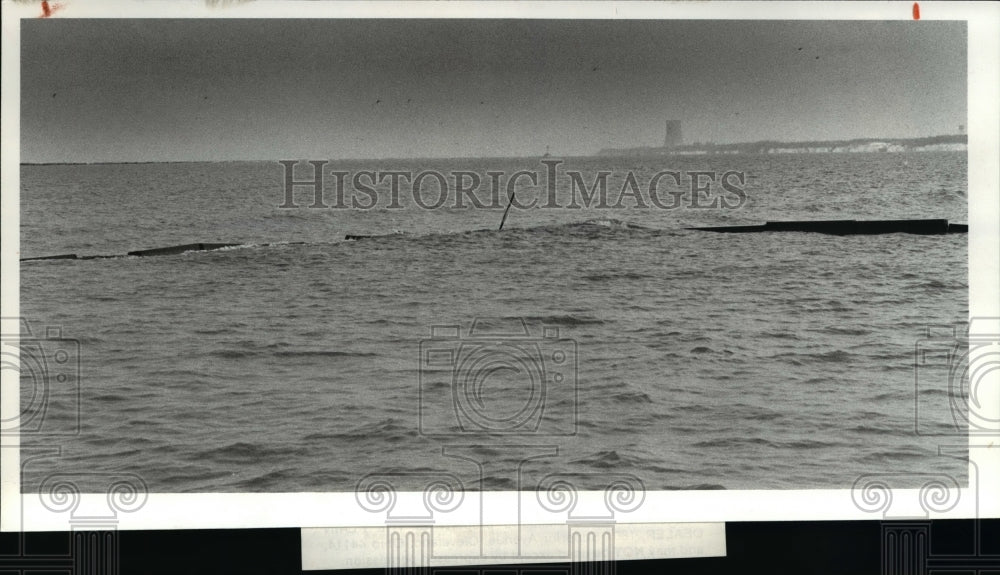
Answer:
(613, 224)
(386, 429)
(271, 350)
(903, 453)
(732, 442)
(866, 429)
(836, 356)
(806, 444)
(838, 330)
(892, 395)
(630, 397)
(567, 320)
(289, 214)
(277, 477)
(781, 335)
(956, 392)
(243, 452)
(819, 306)
(608, 459)
(493, 483)
(228, 248)
(143, 422)
(767, 416)
(323, 353)
(109, 398)
(736, 442)
(187, 474)
(211, 331)
(608, 276)
(599, 227)
(695, 487)
(934, 284)
(232, 353)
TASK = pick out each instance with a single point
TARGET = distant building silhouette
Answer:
(673, 136)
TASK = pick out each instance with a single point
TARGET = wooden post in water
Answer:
(509, 204)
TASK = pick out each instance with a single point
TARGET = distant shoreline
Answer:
(952, 142)
(956, 142)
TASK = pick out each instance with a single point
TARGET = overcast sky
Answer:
(138, 90)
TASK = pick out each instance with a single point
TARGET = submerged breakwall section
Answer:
(167, 251)
(850, 227)
(172, 250)
(372, 236)
(831, 227)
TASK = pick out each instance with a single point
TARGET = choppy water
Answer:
(702, 360)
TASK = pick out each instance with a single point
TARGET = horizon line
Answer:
(695, 145)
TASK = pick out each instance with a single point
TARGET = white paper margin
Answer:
(435, 546)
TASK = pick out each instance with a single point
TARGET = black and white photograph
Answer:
(452, 255)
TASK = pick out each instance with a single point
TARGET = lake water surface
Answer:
(689, 359)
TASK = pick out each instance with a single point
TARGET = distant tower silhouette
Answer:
(673, 137)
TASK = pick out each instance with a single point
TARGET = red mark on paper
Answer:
(916, 11)
(48, 10)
